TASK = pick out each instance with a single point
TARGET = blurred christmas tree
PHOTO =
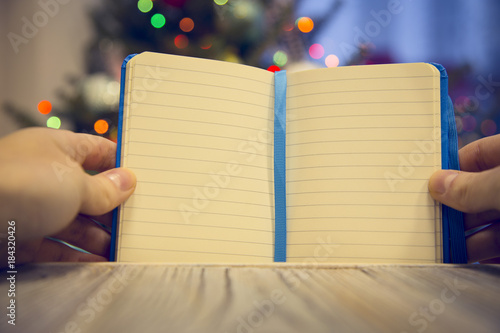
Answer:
(261, 33)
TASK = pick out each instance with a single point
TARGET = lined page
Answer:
(362, 143)
(198, 135)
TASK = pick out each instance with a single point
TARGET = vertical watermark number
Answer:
(11, 272)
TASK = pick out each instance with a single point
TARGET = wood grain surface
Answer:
(113, 297)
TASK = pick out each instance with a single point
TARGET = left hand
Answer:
(46, 191)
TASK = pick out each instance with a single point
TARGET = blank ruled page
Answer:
(362, 143)
(197, 133)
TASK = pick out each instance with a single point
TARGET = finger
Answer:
(105, 221)
(91, 151)
(105, 191)
(86, 235)
(49, 251)
(484, 244)
(467, 192)
(480, 155)
(472, 221)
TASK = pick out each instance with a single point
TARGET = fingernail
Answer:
(122, 178)
(441, 181)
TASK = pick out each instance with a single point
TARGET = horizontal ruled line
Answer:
(183, 184)
(196, 134)
(211, 98)
(195, 238)
(351, 191)
(202, 122)
(204, 72)
(360, 217)
(360, 91)
(351, 230)
(350, 115)
(202, 109)
(348, 179)
(332, 258)
(361, 78)
(362, 153)
(358, 103)
(361, 244)
(201, 173)
(200, 84)
(211, 213)
(188, 146)
(216, 200)
(202, 252)
(357, 166)
(362, 204)
(198, 160)
(360, 140)
(358, 128)
(196, 225)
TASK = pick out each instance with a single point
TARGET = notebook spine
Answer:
(119, 145)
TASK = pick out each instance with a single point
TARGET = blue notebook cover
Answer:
(454, 247)
(112, 252)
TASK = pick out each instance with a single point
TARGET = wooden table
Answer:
(113, 297)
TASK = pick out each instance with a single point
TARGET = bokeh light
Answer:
(181, 41)
(316, 51)
(305, 24)
(459, 124)
(288, 27)
(145, 5)
(44, 107)
(220, 2)
(469, 123)
(206, 42)
(280, 58)
(243, 9)
(101, 126)
(465, 104)
(460, 104)
(273, 68)
(113, 135)
(54, 122)
(158, 20)
(332, 61)
(186, 24)
(488, 127)
(231, 57)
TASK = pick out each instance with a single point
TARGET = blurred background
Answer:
(60, 59)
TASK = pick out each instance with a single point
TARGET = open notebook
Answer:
(236, 164)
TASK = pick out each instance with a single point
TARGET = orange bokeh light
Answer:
(305, 24)
(186, 24)
(44, 107)
(101, 126)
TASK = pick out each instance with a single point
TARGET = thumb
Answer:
(469, 192)
(106, 190)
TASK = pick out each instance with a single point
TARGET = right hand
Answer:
(475, 191)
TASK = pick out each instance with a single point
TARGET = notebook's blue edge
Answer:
(112, 252)
(454, 247)
(280, 220)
